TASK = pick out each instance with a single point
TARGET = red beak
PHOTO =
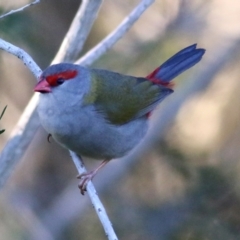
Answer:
(42, 87)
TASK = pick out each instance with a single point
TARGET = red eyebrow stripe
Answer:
(52, 79)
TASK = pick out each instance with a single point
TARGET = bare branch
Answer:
(113, 37)
(78, 31)
(98, 206)
(20, 9)
(22, 55)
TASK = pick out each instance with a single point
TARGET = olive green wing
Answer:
(122, 98)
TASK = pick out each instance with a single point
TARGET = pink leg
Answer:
(86, 177)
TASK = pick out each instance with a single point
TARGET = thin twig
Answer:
(1, 115)
(3, 111)
(98, 206)
(20, 9)
(114, 36)
(78, 31)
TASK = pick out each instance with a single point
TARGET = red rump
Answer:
(151, 77)
(152, 74)
(66, 75)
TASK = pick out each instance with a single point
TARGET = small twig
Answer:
(114, 36)
(98, 206)
(3, 111)
(20, 9)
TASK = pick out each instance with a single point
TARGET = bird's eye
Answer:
(60, 81)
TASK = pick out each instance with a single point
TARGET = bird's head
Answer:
(58, 75)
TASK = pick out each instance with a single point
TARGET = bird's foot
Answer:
(84, 179)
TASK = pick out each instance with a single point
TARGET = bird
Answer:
(103, 114)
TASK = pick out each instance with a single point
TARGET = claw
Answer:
(86, 177)
(48, 137)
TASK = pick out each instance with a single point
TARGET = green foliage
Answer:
(3, 130)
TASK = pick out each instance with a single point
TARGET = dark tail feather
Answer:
(177, 64)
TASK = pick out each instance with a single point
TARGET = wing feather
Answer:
(123, 98)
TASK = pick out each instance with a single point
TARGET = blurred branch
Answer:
(24, 129)
(113, 37)
(79, 30)
(31, 222)
(19, 140)
(27, 124)
(20, 9)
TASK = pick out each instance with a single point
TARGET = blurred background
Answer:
(188, 186)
